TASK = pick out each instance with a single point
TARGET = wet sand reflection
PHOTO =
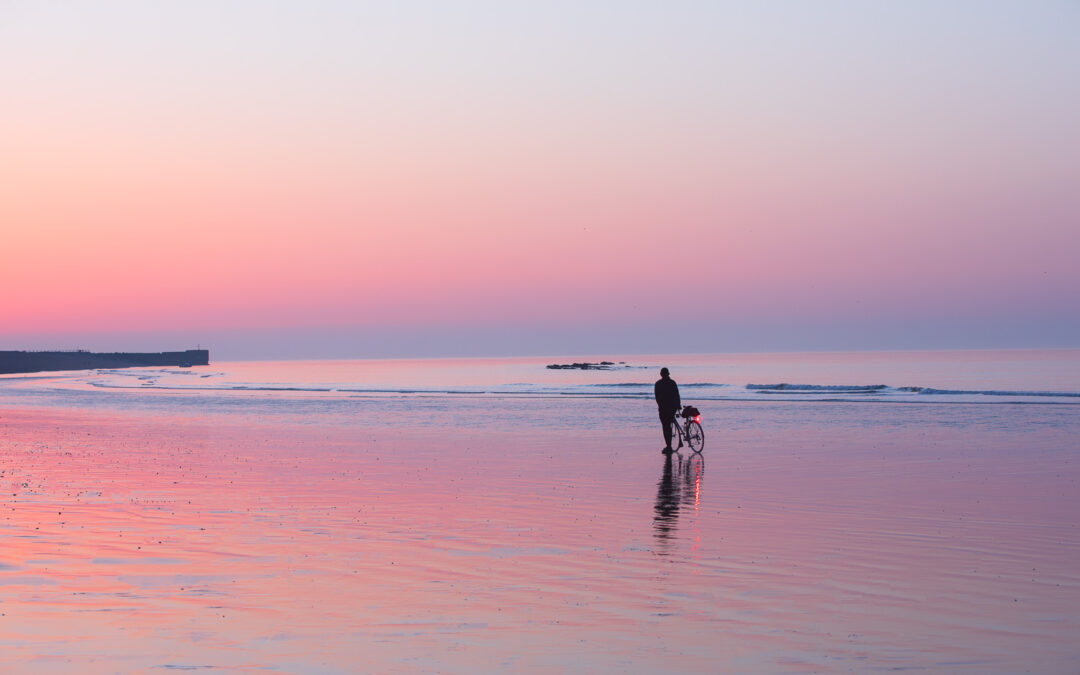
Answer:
(667, 508)
(679, 488)
(134, 544)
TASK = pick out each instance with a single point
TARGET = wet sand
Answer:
(490, 542)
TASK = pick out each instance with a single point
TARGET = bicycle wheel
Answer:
(676, 435)
(695, 436)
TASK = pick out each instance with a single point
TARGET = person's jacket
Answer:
(667, 395)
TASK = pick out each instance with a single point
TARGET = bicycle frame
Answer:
(678, 433)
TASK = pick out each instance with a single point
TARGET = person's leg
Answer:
(665, 422)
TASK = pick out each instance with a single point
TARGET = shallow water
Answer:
(986, 376)
(137, 543)
(254, 532)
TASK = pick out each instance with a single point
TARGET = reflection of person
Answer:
(668, 402)
(667, 503)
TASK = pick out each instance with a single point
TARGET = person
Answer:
(668, 402)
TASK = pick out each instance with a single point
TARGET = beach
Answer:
(329, 335)
(321, 532)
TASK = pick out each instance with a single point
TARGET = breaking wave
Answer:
(992, 392)
(814, 387)
(695, 391)
(882, 392)
(166, 381)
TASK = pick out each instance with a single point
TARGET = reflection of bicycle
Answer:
(689, 431)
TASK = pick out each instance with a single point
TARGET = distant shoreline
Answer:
(36, 362)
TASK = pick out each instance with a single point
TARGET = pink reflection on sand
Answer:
(134, 542)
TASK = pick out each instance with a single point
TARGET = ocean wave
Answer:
(697, 391)
(816, 387)
(992, 392)
(885, 392)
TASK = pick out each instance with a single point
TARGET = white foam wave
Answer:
(698, 391)
(993, 392)
(166, 381)
(815, 387)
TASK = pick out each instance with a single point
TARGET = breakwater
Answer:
(33, 362)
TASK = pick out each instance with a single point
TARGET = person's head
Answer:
(664, 372)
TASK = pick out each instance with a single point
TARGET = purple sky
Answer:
(331, 180)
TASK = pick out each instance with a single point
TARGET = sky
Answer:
(350, 179)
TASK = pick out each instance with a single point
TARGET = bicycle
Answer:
(690, 430)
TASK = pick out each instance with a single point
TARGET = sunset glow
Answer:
(867, 177)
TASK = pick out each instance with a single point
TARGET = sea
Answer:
(980, 377)
(850, 512)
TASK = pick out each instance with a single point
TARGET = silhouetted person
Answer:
(668, 402)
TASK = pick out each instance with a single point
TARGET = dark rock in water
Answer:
(603, 365)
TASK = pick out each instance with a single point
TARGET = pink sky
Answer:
(189, 171)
